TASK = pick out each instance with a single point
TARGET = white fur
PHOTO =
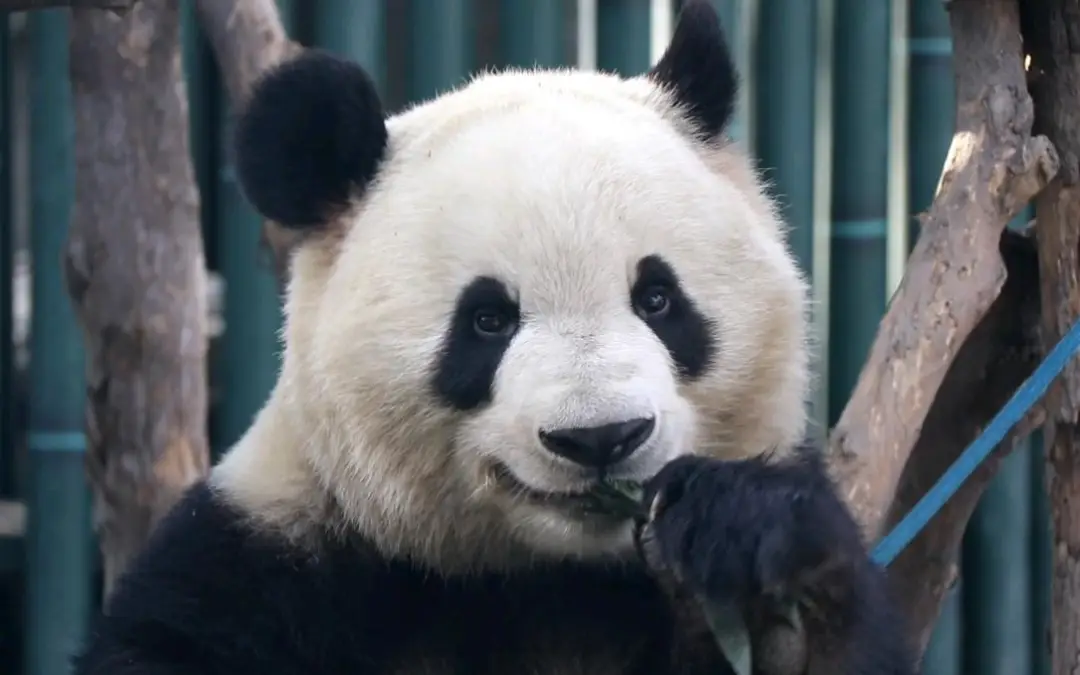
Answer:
(557, 183)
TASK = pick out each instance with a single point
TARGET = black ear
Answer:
(310, 138)
(698, 69)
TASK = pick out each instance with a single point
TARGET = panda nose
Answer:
(600, 446)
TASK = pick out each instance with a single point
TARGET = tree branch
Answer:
(247, 37)
(135, 271)
(955, 272)
(997, 357)
(1050, 29)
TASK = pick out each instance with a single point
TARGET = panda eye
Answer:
(653, 303)
(493, 323)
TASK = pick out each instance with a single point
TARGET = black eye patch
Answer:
(660, 301)
(484, 321)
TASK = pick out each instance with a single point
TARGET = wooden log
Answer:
(136, 272)
(955, 272)
(1050, 28)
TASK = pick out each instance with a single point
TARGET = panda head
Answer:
(506, 293)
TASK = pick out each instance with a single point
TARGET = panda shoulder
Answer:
(210, 584)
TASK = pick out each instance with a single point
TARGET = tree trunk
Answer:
(999, 355)
(955, 272)
(1052, 33)
(135, 271)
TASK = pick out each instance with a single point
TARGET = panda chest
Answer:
(563, 631)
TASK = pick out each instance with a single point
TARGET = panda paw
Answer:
(752, 530)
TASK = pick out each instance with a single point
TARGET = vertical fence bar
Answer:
(788, 132)
(59, 544)
(532, 33)
(932, 102)
(943, 654)
(585, 47)
(661, 25)
(198, 63)
(896, 218)
(1042, 548)
(740, 21)
(623, 36)
(356, 30)
(821, 235)
(247, 360)
(931, 105)
(7, 273)
(11, 551)
(442, 50)
(997, 571)
(860, 185)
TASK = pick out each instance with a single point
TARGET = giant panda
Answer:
(498, 298)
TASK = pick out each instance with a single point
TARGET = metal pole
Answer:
(788, 135)
(355, 29)
(860, 191)
(532, 33)
(997, 573)
(442, 50)
(623, 36)
(59, 540)
(247, 361)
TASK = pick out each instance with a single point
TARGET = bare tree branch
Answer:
(1050, 28)
(135, 271)
(955, 272)
(997, 357)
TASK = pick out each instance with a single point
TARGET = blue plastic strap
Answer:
(1021, 402)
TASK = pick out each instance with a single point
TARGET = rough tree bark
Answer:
(135, 271)
(997, 357)
(955, 272)
(953, 346)
(247, 37)
(1052, 33)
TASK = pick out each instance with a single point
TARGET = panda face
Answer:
(537, 281)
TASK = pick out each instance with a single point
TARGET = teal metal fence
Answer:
(847, 103)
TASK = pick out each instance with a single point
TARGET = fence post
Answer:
(441, 50)
(1042, 549)
(997, 573)
(198, 66)
(7, 274)
(740, 21)
(622, 36)
(792, 103)
(247, 360)
(58, 540)
(532, 33)
(860, 188)
(943, 655)
(356, 30)
(931, 106)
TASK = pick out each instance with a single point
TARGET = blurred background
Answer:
(847, 103)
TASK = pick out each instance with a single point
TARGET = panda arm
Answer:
(211, 595)
(766, 535)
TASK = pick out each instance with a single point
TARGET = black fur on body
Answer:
(213, 596)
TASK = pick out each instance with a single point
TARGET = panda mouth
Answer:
(506, 480)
